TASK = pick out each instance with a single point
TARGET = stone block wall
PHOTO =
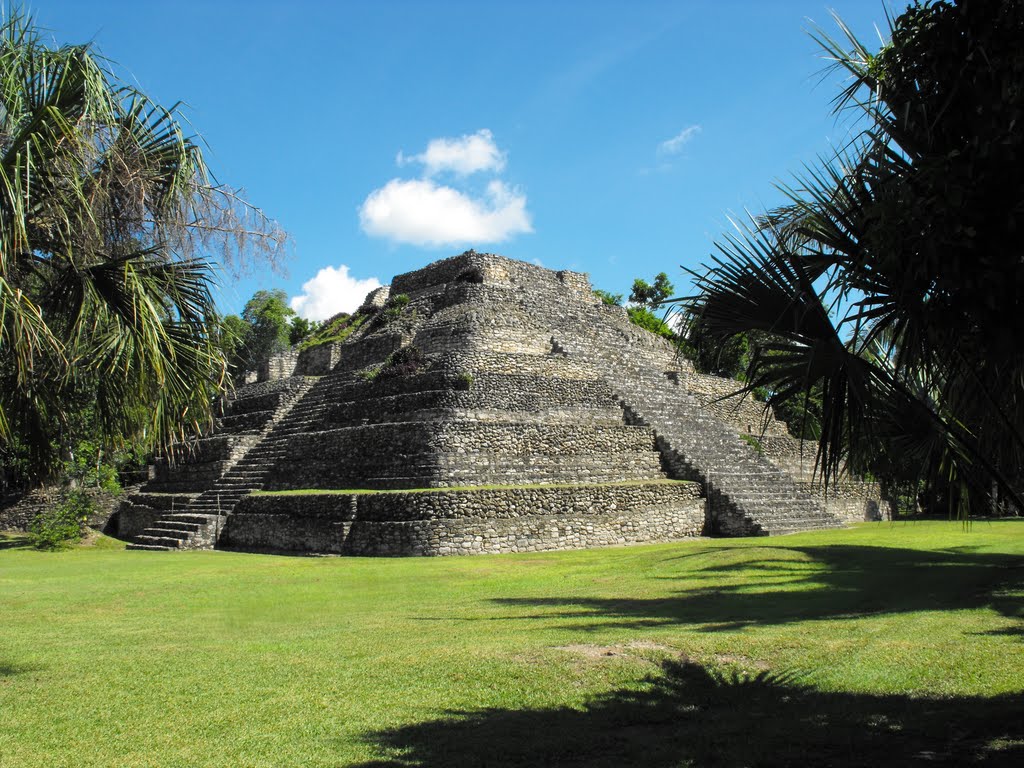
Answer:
(371, 350)
(490, 269)
(17, 514)
(375, 299)
(430, 454)
(279, 366)
(447, 522)
(852, 501)
(318, 360)
(491, 404)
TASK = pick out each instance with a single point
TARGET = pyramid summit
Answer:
(483, 404)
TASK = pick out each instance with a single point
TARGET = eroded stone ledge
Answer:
(467, 521)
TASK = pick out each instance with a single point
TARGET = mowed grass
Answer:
(887, 644)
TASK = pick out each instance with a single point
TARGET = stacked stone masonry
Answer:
(471, 521)
(541, 419)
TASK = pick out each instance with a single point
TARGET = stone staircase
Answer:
(199, 524)
(748, 495)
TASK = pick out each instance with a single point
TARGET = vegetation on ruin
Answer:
(61, 524)
(335, 330)
(369, 374)
(642, 309)
(789, 651)
(887, 292)
(266, 327)
(393, 307)
(402, 362)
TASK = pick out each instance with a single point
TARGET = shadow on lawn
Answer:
(690, 715)
(825, 582)
(13, 541)
(8, 669)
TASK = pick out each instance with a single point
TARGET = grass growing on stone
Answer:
(882, 645)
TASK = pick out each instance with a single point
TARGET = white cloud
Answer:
(464, 155)
(675, 144)
(332, 291)
(422, 212)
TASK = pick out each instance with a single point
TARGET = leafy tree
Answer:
(648, 320)
(652, 294)
(608, 298)
(892, 282)
(728, 358)
(301, 329)
(268, 317)
(108, 217)
(644, 298)
(231, 340)
(267, 326)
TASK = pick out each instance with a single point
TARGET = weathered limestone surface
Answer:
(279, 366)
(19, 514)
(448, 522)
(523, 382)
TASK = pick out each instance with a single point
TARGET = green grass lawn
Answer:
(882, 645)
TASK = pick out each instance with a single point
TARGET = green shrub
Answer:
(61, 525)
(403, 362)
(649, 321)
(753, 442)
(464, 382)
(370, 374)
(337, 331)
(93, 467)
(393, 309)
(608, 298)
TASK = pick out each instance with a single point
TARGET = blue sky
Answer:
(614, 138)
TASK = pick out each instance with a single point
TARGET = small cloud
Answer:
(422, 212)
(331, 291)
(470, 153)
(674, 145)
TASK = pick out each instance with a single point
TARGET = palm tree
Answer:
(892, 283)
(108, 217)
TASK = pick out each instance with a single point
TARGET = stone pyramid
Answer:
(483, 404)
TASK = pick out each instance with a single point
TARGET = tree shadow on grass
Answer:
(688, 715)
(10, 669)
(780, 585)
(13, 541)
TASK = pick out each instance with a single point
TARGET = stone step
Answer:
(166, 532)
(172, 529)
(742, 484)
(158, 540)
(223, 500)
(188, 518)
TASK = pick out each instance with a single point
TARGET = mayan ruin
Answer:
(482, 404)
